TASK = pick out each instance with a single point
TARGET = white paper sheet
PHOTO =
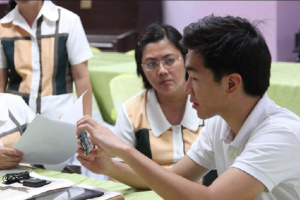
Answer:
(47, 141)
(71, 116)
(50, 141)
(75, 113)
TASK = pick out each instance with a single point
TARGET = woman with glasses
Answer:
(160, 122)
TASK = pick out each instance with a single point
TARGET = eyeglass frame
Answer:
(162, 62)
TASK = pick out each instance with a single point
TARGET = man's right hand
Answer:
(97, 162)
(10, 158)
(109, 144)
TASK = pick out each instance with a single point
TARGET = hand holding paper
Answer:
(50, 141)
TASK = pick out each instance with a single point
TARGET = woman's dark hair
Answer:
(232, 45)
(11, 5)
(151, 34)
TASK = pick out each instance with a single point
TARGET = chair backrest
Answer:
(123, 87)
(95, 50)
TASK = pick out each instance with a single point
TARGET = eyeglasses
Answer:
(167, 63)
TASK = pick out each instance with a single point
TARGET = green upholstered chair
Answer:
(284, 87)
(100, 78)
(123, 87)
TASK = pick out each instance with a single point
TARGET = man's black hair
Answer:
(232, 45)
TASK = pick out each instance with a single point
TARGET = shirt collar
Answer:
(48, 10)
(9, 17)
(258, 114)
(4, 114)
(157, 120)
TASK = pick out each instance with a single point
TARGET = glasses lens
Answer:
(169, 62)
(151, 65)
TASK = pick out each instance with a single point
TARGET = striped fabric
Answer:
(39, 58)
(53, 54)
(160, 149)
(15, 115)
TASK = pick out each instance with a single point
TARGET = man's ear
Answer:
(234, 82)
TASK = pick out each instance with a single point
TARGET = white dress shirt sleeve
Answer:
(77, 45)
(124, 127)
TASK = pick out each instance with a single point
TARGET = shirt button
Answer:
(176, 129)
(36, 80)
(33, 97)
(36, 61)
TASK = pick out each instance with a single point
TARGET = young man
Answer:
(253, 144)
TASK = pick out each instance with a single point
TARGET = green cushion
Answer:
(284, 87)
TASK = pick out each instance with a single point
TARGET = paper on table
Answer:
(50, 141)
(17, 191)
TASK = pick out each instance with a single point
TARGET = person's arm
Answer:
(81, 78)
(234, 184)
(188, 169)
(103, 164)
(3, 80)
(9, 158)
(114, 168)
(78, 54)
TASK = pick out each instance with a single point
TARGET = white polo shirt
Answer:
(39, 58)
(18, 109)
(266, 147)
(168, 143)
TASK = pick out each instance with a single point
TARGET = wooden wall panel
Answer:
(116, 16)
(111, 19)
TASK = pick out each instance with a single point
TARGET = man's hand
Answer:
(97, 161)
(101, 136)
(10, 158)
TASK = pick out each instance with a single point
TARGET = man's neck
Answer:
(238, 111)
(30, 13)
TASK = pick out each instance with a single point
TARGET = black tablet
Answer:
(71, 193)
